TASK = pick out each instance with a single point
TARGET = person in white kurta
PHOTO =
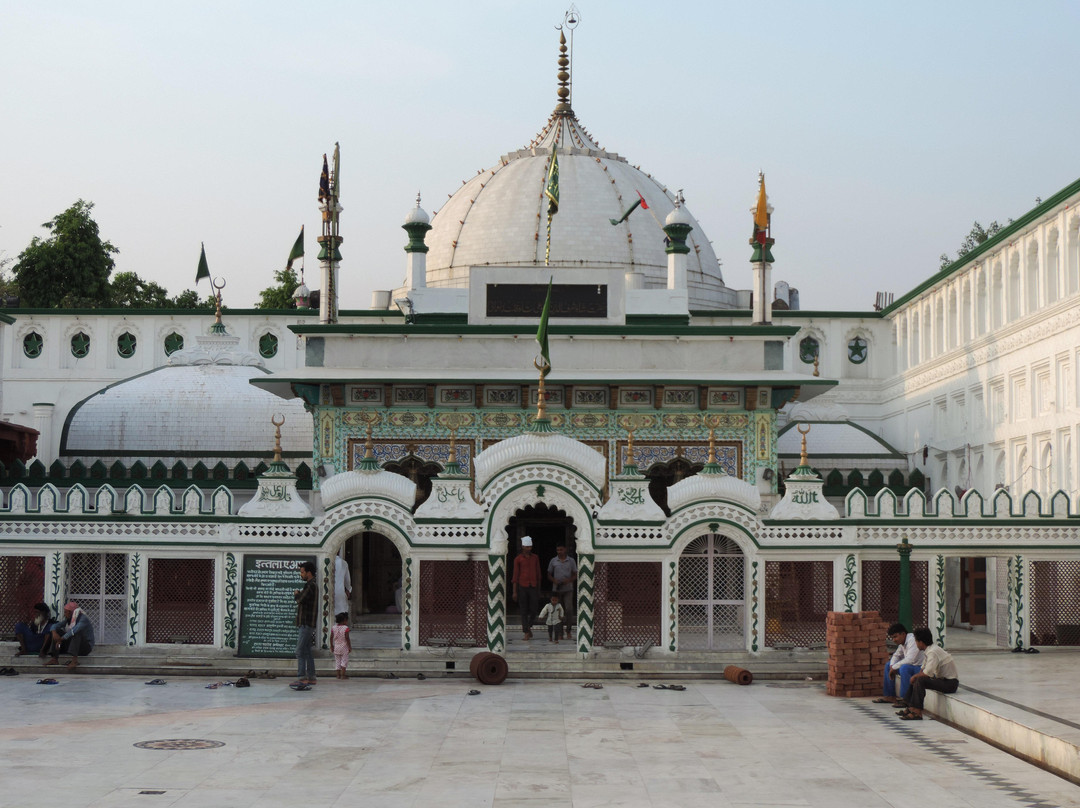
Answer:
(342, 586)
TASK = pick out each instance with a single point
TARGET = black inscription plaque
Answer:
(268, 609)
(527, 299)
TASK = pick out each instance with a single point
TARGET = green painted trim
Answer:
(825, 314)
(421, 329)
(991, 243)
(658, 319)
(562, 466)
(7, 319)
(150, 518)
(531, 484)
(440, 318)
(710, 520)
(634, 522)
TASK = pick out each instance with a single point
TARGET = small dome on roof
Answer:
(417, 215)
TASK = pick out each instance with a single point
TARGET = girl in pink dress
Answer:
(341, 645)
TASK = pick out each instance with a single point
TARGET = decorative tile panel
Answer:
(726, 421)
(725, 397)
(590, 396)
(635, 396)
(502, 396)
(680, 397)
(386, 451)
(589, 420)
(407, 419)
(410, 394)
(552, 395)
(361, 419)
(682, 420)
(648, 453)
(502, 420)
(455, 396)
(357, 394)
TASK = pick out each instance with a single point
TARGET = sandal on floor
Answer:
(911, 717)
(593, 685)
(643, 684)
(298, 686)
(213, 686)
(883, 701)
(676, 687)
(47, 682)
(156, 682)
(660, 687)
(901, 703)
(474, 692)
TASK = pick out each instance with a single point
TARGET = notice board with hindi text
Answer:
(267, 606)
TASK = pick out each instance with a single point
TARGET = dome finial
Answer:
(570, 21)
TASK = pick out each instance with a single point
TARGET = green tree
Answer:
(279, 296)
(128, 290)
(189, 299)
(71, 267)
(977, 236)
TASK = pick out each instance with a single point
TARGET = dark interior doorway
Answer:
(549, 527)
(973, 591)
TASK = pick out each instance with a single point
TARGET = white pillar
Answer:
(43, 414)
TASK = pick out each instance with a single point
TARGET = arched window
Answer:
(809, 350)
(858, 350)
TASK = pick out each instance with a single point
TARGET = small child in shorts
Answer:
(552, 614)
(341, 645)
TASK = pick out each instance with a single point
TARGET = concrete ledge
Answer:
(1010, 729)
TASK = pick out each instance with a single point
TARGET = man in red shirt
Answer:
(526, 583)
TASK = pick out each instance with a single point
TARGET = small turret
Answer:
(417, 224)
(677, 226)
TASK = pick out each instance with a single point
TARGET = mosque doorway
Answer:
(375, 568)
(549, 527)
(712, 597)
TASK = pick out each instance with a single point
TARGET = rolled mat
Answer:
(474, 664)
(740, 676)
(492, 670)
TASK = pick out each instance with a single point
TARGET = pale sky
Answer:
(884, 129)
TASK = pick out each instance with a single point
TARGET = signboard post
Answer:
(267, 608)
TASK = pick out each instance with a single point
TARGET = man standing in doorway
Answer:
(526, 585)
(562, 572)
(307, 602)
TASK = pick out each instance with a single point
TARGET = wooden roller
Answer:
(740, 676)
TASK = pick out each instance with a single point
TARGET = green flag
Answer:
(542, 331)
(204, 270)
(551, 190)
(297, 249)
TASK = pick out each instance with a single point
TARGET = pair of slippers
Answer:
(263, 675)
(157, 682)
(679, 688)
(593, 685)
(907, 715)
(298, 686)
(8, 672)
(47, 682)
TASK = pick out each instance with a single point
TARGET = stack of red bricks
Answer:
(857, 653)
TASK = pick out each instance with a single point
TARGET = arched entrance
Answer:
(549, 527)
(376, 571)
(712, 595)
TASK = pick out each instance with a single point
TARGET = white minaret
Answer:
(677, 226)
(329, 241)
(417, 223)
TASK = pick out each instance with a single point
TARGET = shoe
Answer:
(883, 701)
(389, 675)
(421, 677)
(156, 682)
(241, 682)
(47, 682)
(474, 692)
(298, 686)
(911, 717)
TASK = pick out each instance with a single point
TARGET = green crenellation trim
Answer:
(439, 329)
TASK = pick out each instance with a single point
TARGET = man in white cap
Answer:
(526, 585)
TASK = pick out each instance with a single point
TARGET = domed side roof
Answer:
(499, 218)
(198, 411)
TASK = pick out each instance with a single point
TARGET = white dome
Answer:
(417, 216)
(193, 413)
(499, 218)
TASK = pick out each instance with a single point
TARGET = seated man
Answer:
(938, 673)
(31, 634)
(904, 662)
(74, 636)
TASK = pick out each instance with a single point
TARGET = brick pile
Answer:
(857, 653)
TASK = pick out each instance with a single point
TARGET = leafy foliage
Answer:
(279, 296)
(71, 267)
(977, 236)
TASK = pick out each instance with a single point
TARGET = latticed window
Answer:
(712, 599)
(98, 583)
(1055, 607)
(32, 344)
(798, 597)
(125, 345)
(453, 603)
(881, 590)
(268, 345)
(22, 584)
(173, 342)
(80, 345)
(180, 601)
(628, 602)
